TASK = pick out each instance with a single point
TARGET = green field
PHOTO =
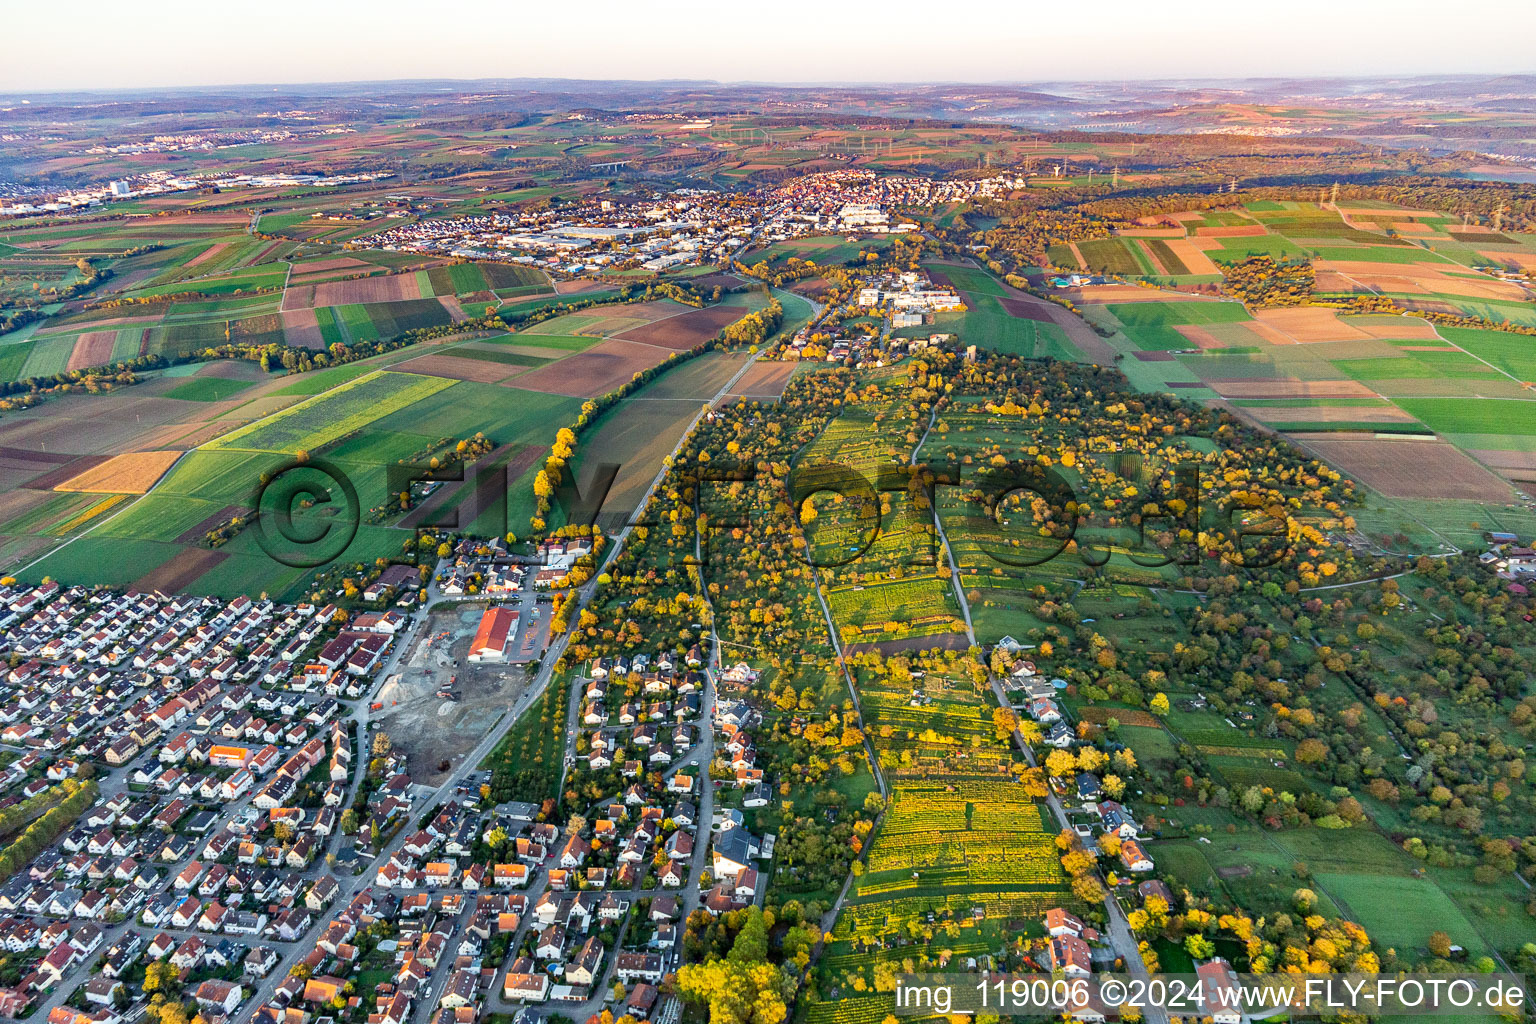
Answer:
(1515, 354)
(987, 324)
(13, 356)
(1401, 912)
(49, 356)
(1113, 256)
(323, 380)
(1168, 314)
(1489, 416)
(320, 420)
(208, 389)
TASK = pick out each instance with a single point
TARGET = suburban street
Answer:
(471, 761)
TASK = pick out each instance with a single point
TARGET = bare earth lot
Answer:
(428, 728)
(764, 380)
(596, 371)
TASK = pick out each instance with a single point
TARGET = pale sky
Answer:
(91, 44)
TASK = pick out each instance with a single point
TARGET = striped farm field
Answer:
(49, 356)
(355, 323)
(1112, 256)
(1161, 251)
(129, 343)
(90, 512)
(334, 414)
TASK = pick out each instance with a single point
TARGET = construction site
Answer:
(440, 701)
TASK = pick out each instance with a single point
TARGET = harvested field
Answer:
(1523, 260)
(598, 370)
(1388, 326)
(765, 380)
(1422, 278)
(1521, 463)
(1428, 305)
(1114, 293)
(1024, 310)
(85, 424)
(457, 368)
(301, 329)
(814, 287)
(1291, 388)
(1193, 256)
(298, 296)
(181, 570)
(686, 330)
(50, 480)
(1408, 468)
(656, 309)
(1330, 414)
(131, 473)
(1200, 337)
(331, 265)
(385, 288)
(577, 287)
(93, 349)
(24, 458)
(1155, 356)
(1233, 231)
(1151, 233)
(1308, 324)
(455, 311)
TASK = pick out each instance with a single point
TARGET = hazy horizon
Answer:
(114, 47)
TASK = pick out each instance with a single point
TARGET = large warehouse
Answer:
(497, 628)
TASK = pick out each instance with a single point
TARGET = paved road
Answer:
(1121, 938)
(949, 555)
(487, 744)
